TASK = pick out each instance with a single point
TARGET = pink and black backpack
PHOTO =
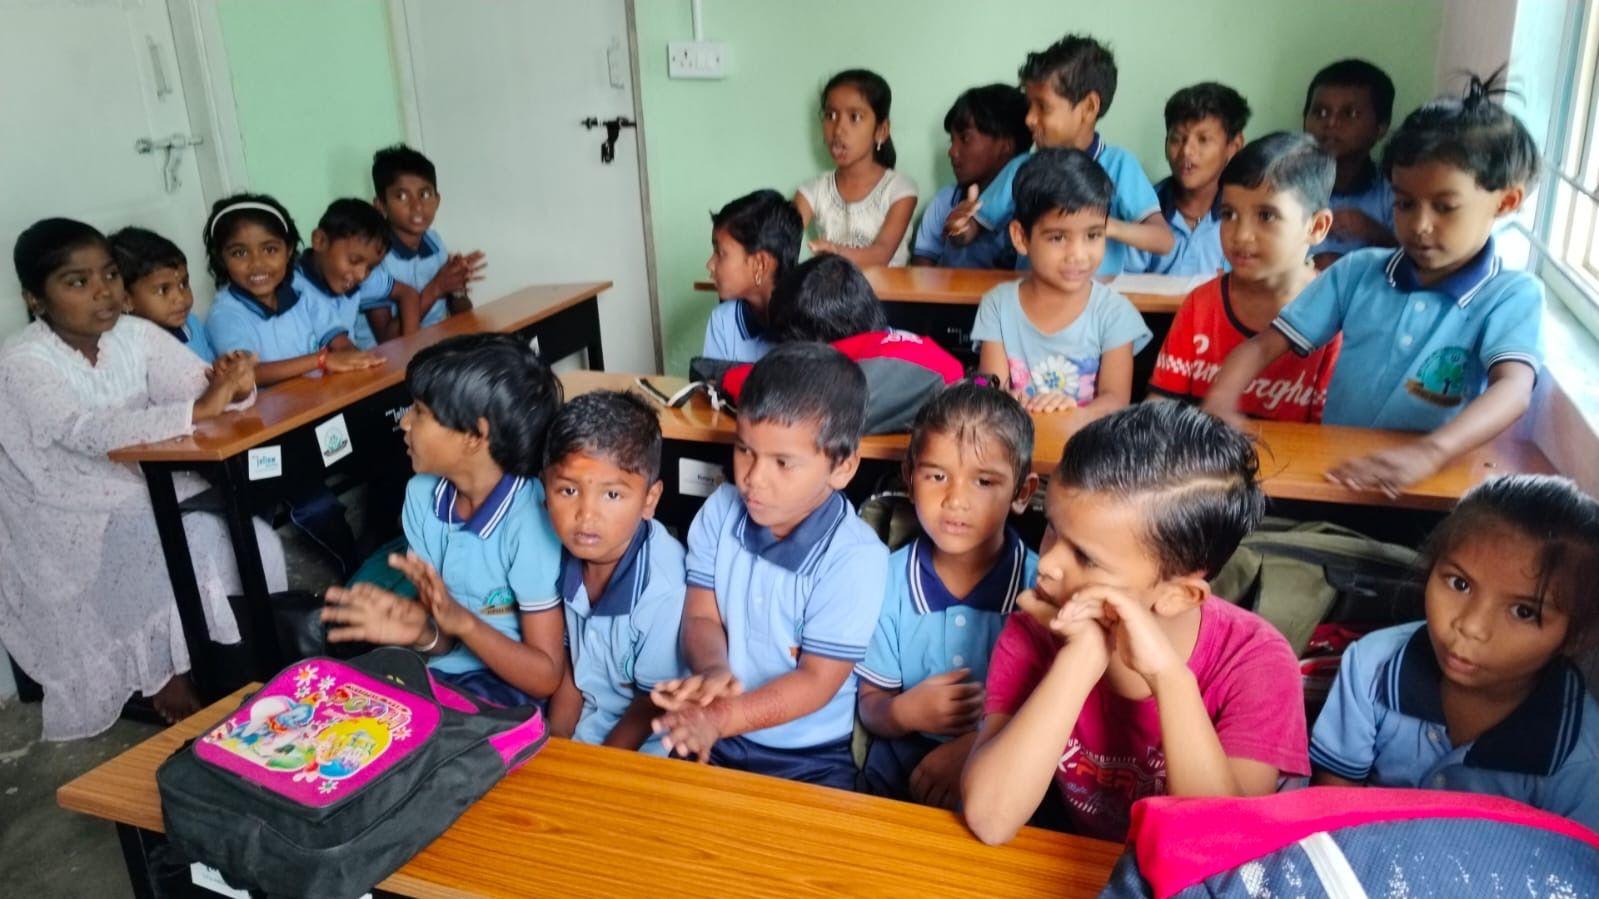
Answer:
(336, 773)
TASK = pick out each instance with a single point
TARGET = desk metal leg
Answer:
(258, 631)
(180, 570)
(591, 316)
(136, 846)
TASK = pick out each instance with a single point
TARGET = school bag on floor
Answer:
(336, 773)
(1350, 843)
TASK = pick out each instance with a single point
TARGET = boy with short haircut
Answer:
(1348, 107)
(949, 591)
(755, 242)
(1273, 209)
(1438, 336)
(155, 274)
(1127, 678)
(1204, 129)
(343, 266)
(429, 282)
(621, 572)
(987, 128)
(1069, 88)
(784, 582)
(483, 555)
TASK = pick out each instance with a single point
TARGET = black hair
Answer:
(349, 217)
(43, 247)
(1194, 475)
(621, 427)
(764, 221)
(139, 252)
(875, 91)
(996, 110)
(825, 298)
(1067, 180)
(967, 412)
(495, 377)
(1551, 511)
(221, 224)
(1472, 133)
(1206, 99)
(1288, 161)
(389, 163)
(813, 383)
(1356, 73)
(1074, 67)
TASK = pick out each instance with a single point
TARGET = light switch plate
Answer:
(696, 59)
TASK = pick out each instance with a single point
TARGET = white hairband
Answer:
(242, 205)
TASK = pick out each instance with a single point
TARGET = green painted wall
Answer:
(316, 93)
(709, 141)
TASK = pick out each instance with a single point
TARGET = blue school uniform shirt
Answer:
(503, 561)
(816, 591)
(1374, 196)
(1198, 249)
(192, 335)
(415, 268)
(1414, 356)
(1132, 199)
(1384, 724)
(735, 333)
(925, 630)
(1066, 361)
(301, 324)
(350, 307)
(991, 248)
(626, 643)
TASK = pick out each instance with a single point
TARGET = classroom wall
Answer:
(316, 93)
(709, 141)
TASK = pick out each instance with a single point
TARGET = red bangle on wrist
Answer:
(322, 359)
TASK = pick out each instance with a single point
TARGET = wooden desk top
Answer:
(1294, 458)
(290, 404)
(585, 820)
(965, 286)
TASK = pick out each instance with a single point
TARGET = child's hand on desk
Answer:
(352, 360)
(690, 732)
(1390, 471)
(1051, 401)
(237, 368)
(369, 614)
(936, 780)
(961, 227)
(945, 703)
(452, 618)
(1229, 414)
(696, 691)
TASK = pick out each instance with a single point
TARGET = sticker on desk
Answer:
(333, 439)
(209, 878)
(264, 462)
(696, 478)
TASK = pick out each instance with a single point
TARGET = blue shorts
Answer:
(487, 686)
(828, 764)
(889, 764)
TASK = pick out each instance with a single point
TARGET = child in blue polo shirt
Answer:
(1069, 87)
(621, 572)
(155, 276)
(483, 555)
(949, 592)
(1347, 110)
(1204, 130)
(1482, 696)
(342, 265)
(754, 241)
(1437, 336)
(429, 282)
(987, 128)
(784, 582)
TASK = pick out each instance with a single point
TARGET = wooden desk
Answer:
(584, 820)
(561, 319)
(1294, 458)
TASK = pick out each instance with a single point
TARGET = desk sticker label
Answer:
(696, 478)
(265, 462)
(333, 439)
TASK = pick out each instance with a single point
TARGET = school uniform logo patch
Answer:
(1442, 377)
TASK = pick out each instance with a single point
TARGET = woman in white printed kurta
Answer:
(86, 606)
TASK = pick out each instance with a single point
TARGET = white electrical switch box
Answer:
(696, 59)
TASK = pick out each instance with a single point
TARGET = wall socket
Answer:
(696, 59)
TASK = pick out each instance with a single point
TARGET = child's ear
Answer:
(479, 439)
(1018, 237)
(1510, 199)
(35, 307)
(844, 471)
(881, 134)
(1234, 144)
(1090, 104)
(652, 497)
(1177, 595)
(377, 203)
(1024, 494)
(319, 241)
(765, 265)
(1320, 224)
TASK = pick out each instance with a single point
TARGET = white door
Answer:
(80, 83)
(500, 91)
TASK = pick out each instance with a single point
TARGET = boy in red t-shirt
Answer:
(1123, 677)
(1274, 197)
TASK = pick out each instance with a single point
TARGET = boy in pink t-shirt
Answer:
(1123, 677)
